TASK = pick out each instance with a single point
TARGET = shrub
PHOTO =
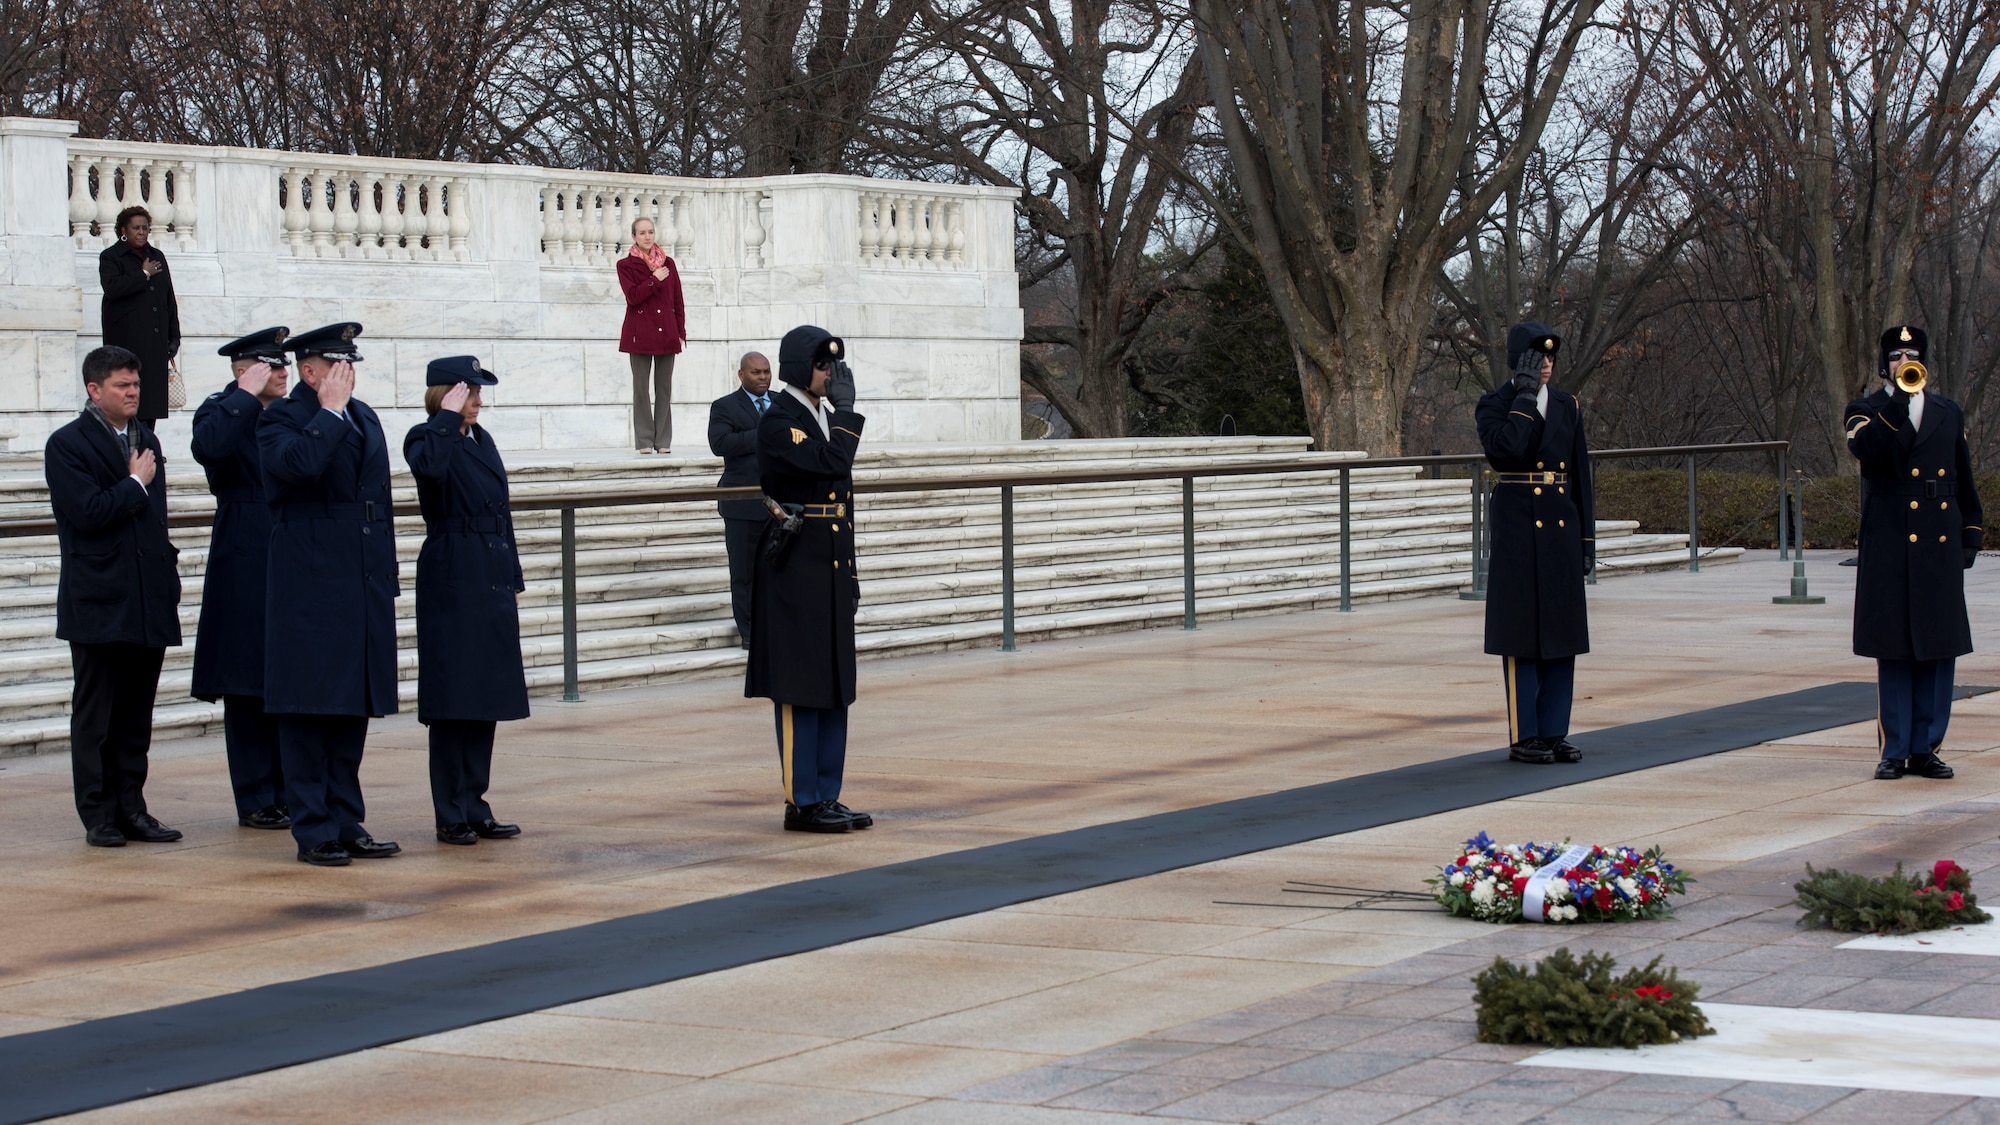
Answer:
(1893, 904)
(1571, 1002)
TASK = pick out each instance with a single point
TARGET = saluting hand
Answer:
(254, 379)
(141, 465)
(454, 399)
(337, 387)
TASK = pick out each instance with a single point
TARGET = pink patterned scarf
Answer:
(654, 260)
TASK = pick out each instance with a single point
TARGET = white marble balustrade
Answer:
(105, 178)
(912, 229)
(375, 210)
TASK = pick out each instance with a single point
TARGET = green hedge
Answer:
(1740, 509)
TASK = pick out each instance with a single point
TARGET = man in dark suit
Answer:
(1921, 529)
(1542, 526)
(229, 641)
(732, 436)
(117, 597)
(330, 598)
(806, 591)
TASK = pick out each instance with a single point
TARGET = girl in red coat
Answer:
(655, 330)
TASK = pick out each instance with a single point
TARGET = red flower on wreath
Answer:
(1520, 885)
(1654, 992)
(1604, 898)
(1955, 902)
(1944, 869)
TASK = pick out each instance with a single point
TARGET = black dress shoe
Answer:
(328, 854)
(141, 827)
(490, 829)
(364, 847)
(1890, 769)
(1531, 750)
(860, 819)
(1563, 750)
(1931, 766)
(104, 836)
(817, 818)
(457, 834)
(270, 816)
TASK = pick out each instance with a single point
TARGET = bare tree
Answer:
(1049, 99)
(1353, 129)
(812, 72)
(1862, 106)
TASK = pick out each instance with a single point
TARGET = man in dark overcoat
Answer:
(1542, 528)
(469, 672)
(806, 590)
(229, 641)
(139, 312)
(330, 599)
(117, 597)
(732, 436)
(1921, 530)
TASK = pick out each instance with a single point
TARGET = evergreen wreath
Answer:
(1577, 1002)
(1893, 904)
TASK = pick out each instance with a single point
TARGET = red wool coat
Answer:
(655, 318)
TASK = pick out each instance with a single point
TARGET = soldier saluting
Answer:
(1921, 529)
(805, 591)
(1542, 527)
(330, 605)
(229, 641)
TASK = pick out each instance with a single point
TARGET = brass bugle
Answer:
(1910, 376)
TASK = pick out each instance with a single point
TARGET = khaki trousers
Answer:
(653, 422)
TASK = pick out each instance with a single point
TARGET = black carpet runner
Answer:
(105, 1061)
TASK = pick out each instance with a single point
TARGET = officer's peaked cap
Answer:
(335, 341)
(1530, 336)
(454, 369)
(803, 347)
(266, 345)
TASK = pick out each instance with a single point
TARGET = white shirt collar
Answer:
(1917, 410)
(818, 409)
(1542, 400)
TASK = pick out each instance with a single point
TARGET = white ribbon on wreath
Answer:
(1534, 895)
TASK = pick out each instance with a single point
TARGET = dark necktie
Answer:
(762, 403)
(124, 443)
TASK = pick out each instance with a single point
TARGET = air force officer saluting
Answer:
(330, 606)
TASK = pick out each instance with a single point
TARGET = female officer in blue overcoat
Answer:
(469, 674)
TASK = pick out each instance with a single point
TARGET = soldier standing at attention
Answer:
(330, 602)
(1921, 530)
(805, 593)
(1542, 525)
(229, 641)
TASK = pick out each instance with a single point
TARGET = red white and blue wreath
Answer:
(1557, 883)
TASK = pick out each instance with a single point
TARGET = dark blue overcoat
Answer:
(802, 616)
(120, 582)
(1920, 513)
(330, 606)
(468, 628)
(1542, 533)
(229, 641)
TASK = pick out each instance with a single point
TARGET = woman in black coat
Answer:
(140, 314)
(469, 673)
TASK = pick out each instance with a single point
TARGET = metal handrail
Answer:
(1006, 483)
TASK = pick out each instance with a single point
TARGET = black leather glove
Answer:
(1897, 411)
(1525, 384)
(1589, 560)
(840, 387)
(1971, 556)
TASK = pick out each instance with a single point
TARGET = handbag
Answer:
(177, 391)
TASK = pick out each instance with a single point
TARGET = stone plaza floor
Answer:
(1160, 995)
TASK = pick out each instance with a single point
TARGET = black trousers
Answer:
(251, 737)
(111, 728)
(461, 770)
(740, 537)
(321, 757)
